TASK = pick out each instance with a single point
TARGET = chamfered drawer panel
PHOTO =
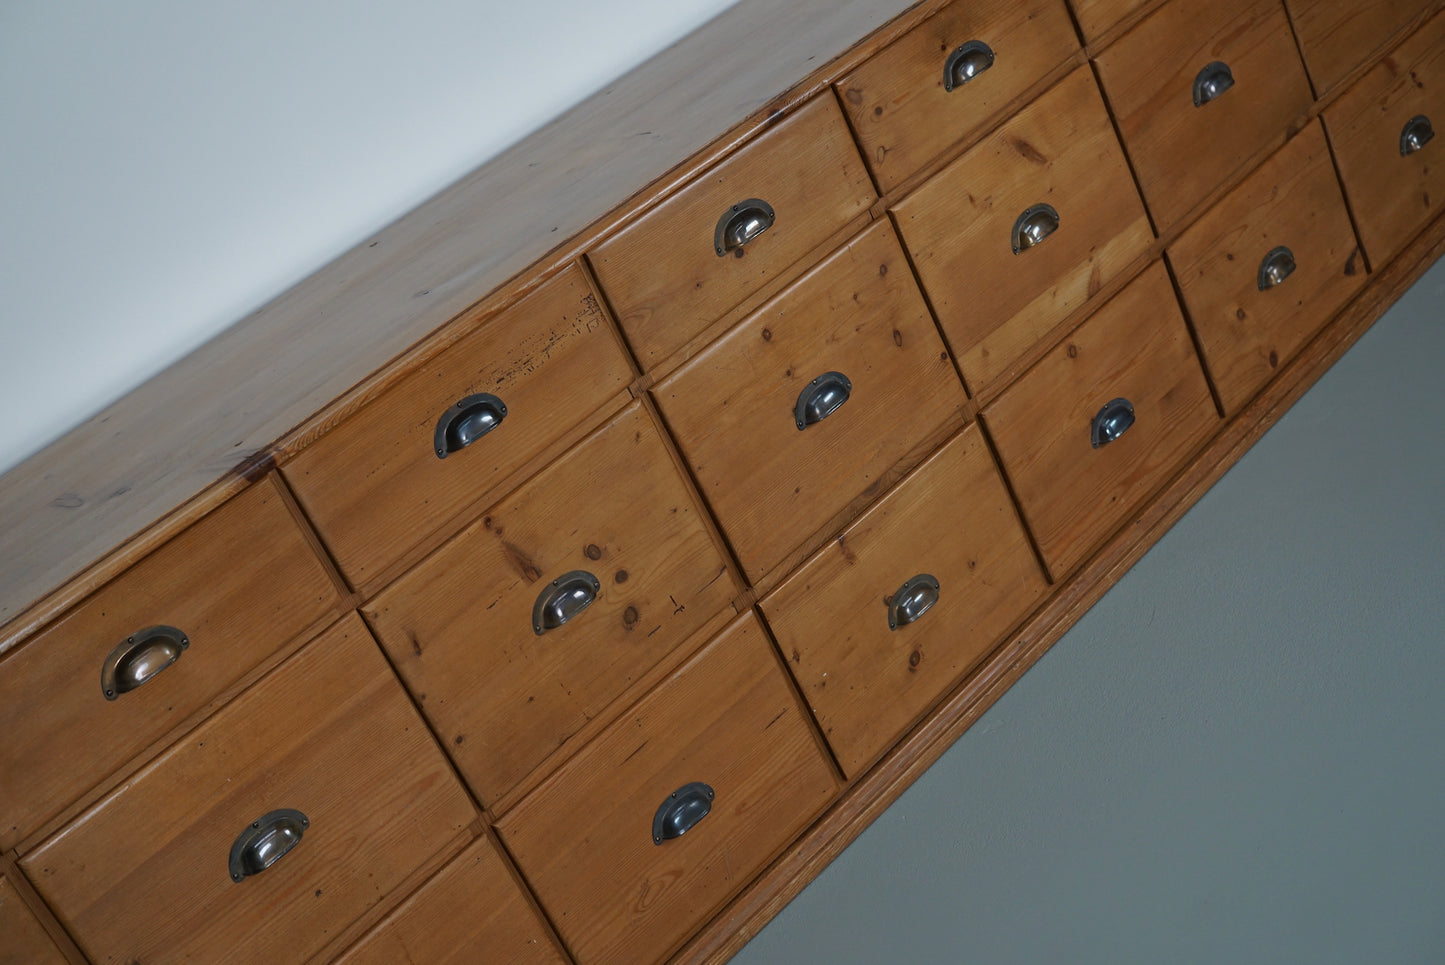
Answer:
(331, 741)
(890, 615)
(740, 409)
(460, 627)
(1134, 355)
(1382, 131)
(23, 940)
(176, 630)
(1199, 88)
(471, 911)
(663, 273)
(727, 736)
(1266, 267)
(1097, 16)
(1025, 227)
(1337, 35)
(446, 436)
(934, 85)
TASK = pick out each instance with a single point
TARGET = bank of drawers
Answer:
(577, 622)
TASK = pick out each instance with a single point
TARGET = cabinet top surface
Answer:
(219, 411)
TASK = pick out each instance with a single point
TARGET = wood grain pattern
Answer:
(240, 584)
(583, 839)
(1392, 197)
(662, 274)
(1180, 152)
(952, 519)
(866, 798)
(374, 485)
(731, 407)
(1245, 334)
(23, 940)
(1137, 348)
(897, 104)
(471, 911)
(1095, 17)
(458, 628)
(1336, 36)
(993, 304)
(329, 733)
(224, 406)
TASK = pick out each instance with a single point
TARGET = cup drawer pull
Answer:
(913, 599)
(820, 398)
(467, 421)
(740, 224)
(1034, 225)
(562, 599)
(1211, 82)
(1415, 135)
(1113, 420)
(966, 63)
(266, 841)
(1276, 267)
(139, 657)
(683, 808)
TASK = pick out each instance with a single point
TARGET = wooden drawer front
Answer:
(472, 911)
(906, 111)
(584, 840)
(951, 520)
(1293, 201)
(375, 485)
(23, 940)
(1182, 152)
(238, 585)
(733, 407)
(459, 627)
(143, 876)
(1337, 36)
(1097, 16)
(662, 273)
(1393, 195)
(1136, 348)
(994, 304)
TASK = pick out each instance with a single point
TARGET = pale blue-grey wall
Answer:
(1237, 756)
(169, 165)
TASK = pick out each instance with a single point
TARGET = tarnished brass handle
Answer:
(1416, 134)
(1211, 82)
(266, 841)
(742, 223)
(820, 398)
(467, 421)
(1113, 420)
(1033, 226)
(139, 657)
(966, 63)
(1276, 267)
(913, 599)
(562, 599)
(681, 810)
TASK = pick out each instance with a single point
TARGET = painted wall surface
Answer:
(170, 165)
(1238, 755)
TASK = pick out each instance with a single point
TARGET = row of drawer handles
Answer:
(272, 836)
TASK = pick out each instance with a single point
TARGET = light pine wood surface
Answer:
(584, 838)
(951, 519)
(1245, 334)
(1179, 152)
(898, 105)
(239, 584)
(331, 734)
(459, 627)
(993, 304)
